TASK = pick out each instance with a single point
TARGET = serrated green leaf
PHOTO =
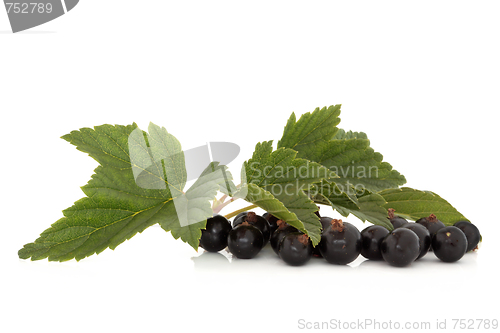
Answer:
(115, 208)
(310, 135)
(281, 167)
(367, 207)
(315, 137)
(286, 177)
(346, 135)
(414, 204)
(166, 148)
(360, 166)
(370, 208)
(139, 176)
(328, 193)
(278, 207)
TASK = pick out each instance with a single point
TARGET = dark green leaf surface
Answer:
(139, 176)
(414, 204)
(348, 154)
(286, 177)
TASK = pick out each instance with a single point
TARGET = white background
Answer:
(420, 78)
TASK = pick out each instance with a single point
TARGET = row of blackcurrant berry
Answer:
(341, 242)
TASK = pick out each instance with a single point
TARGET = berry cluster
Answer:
(341, 242)
(411, 241)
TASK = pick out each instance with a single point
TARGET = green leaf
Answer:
(367, 207)
(265, 200)
(343, 135)
(115, 208)
(328, 193)
(134, 187)
(286, 177)
(370, 208)
(414, 204)
(280, 168)
(311, 135)
(358, 165)
(348, 154)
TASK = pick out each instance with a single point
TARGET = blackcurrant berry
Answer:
(340, 243)
(424, 237)
(245, 241)
(272, 220)
(431, 223)
(371, 238)
(295, 249)
(400, 247)
(471, 232)
(214, 236)
(325, 222)
(278, 234)
(257, 221)
(397, 221)
(449, 244)
(237, 217)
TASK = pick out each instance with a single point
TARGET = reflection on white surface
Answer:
(268, 260)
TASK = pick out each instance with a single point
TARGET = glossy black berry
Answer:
(257, 221)
(397, 221)
(272, 221)
(295, 249)
(431, 223)
(237, 217)
(214, 236)
(449, 244)
(371, 238)
(278, 234)
(424, 237)
(325, 222)
(400, 247)
(245, 241)
(340, 243)
(471, 232)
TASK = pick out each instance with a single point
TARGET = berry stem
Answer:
(220, 205)
(337, 225)
(236, 212)
(432, 218)
(303, 239)
(390, 212)
(281, 224)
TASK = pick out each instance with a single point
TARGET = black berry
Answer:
(397, 221)
(340, 243)
(245, 241)
(400, 247)
(238, 218)
(449, 244)
(471, 232)
(295, 249)
(214, 236)
(431, 223)
(325, 222)
(272, 220)
(278, 234)
(257, 221)
(424, 237)
(371, 238)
